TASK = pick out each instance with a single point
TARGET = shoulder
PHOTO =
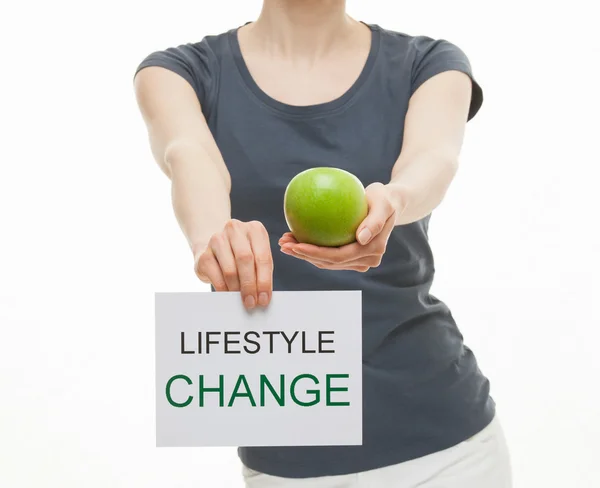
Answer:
(200, 56)
(197, 62)
(416, 58)
(416, 47)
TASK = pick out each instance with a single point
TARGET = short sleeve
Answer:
(433, 57)
(195, 63)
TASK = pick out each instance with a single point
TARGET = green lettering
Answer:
(316, 393)
(247, 394)
(329, 389)
(220, 390)
(168, 391)
(279, 399)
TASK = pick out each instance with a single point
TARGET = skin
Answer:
(319, 51)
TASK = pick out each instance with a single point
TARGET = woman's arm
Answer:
(229, 254)
(433, 137)
(186, 152)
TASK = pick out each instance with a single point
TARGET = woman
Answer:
(233, 118)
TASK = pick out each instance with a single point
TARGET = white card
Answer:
(287, 375)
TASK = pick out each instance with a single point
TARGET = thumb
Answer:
(380, 210)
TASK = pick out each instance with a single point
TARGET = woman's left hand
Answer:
(372, 237)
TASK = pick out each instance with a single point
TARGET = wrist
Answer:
(198, 247)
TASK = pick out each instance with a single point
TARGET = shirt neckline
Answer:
(314, 109)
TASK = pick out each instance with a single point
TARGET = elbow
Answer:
(445, 163)
(440, 169)
(186, 158)
(452, 162)
(177, 155)
(429, 163)
(447, 167)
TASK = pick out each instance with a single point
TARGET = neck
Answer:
(303, 27)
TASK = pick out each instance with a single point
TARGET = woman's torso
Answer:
(422, 389)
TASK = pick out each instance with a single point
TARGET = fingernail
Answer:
(263, 299)
(364, 235)
(249, 301)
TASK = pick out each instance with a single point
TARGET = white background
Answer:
(87, 235)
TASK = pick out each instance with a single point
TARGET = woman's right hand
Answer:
(238, 259)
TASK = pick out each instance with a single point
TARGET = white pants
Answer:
(479, 462)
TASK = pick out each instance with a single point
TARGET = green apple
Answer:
(324, 206)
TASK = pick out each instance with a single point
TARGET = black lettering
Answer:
(304, 350)
(271, 334)
(209, 342)
(183, 351)
(323, 341)
(256, 334)
(289, 341)
(228, 341)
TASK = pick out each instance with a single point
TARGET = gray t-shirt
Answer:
(423, 391)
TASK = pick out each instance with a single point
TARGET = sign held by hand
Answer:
(287, 375)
